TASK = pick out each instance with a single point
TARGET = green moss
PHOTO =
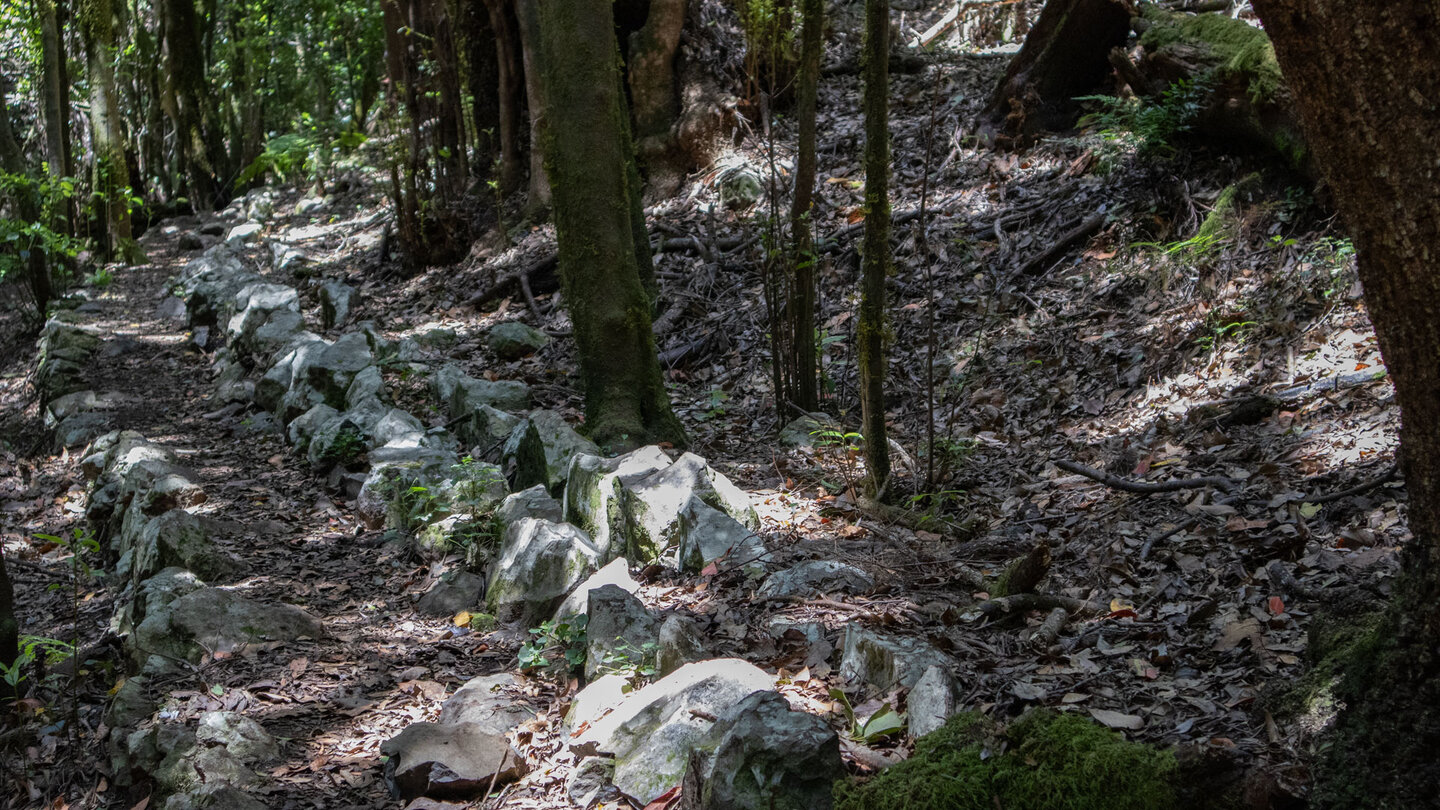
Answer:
(1054, 761)
(1241, 49)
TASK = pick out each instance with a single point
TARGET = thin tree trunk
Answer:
(111, 177)
(195, 124)
(508, 59)
(802, 293)
(55, 92)
(876, 251)
(590, 154)
(538, 197)
(37, 271)
(654, 98)
(1364, 78)
(9, 629)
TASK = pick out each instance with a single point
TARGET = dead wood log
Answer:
(540, 273)
(1049, 630)
(1147, 487)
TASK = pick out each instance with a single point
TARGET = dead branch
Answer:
(1049, 630)
(513, 279)
(1022, 602)
(1063, 243)
(1146, 487)
(1365, 486)
(1150, 544)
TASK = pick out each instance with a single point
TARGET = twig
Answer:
(1063, 243)
(1146, 487)
(1365, 486)
(1049, 630)
(1021, 602)
(1149, 544)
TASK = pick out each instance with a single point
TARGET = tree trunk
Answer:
(654, 99)
(9, 629)
(509, 60)
(37, 271)
(538, 197)
(194, 110)
(110, 175)
(55, 95)
(805, 373)
(482, 59)
(1364, 79)
(1065, 55)
(870, 331)
(591, 159)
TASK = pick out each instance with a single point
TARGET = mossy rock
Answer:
(1237, 48)
(1049, 760)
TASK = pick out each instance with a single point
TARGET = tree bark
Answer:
(538, 195)
(509, 61)
(1065, 55)
(110, 175)
(9, 629)
(1364, 79)
(37, 270)
(876, 252)
(805, 374)
(55, 92)
(654, 99)
(194, 110)
(591, 161)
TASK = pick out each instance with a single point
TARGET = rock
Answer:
(284, 390)
(651, 507)
(931, 701)
(453, 592)
(589, 783)
(304, 427)
(592, 491)
(816, 577)
(157, 593)
(885, 661)
(534, 502)
(707, 535)
(216, 796)
(332, 370)
(805, 430)
(284, 257)
(616, 572)
(341, 440)
(244, 738)
(620, 634)
(190, 241)
(71, 404)
(449, 761)
(740, 188)
(213, 229)
(335, 299)
(601, 695)
(173, 308)
(80, 428)
(652, 734)
(176, 539)
(242, 391)
(523, 457)
(513, 340)
(770, 757)
(539, 564)
(309, 205)
(484, 426)
(490, 702)
(218, 620)
(559, 443)
(254, 304)
(244, 234)
(447, 535)
(808, 635)
(506, 395)
(277, 333)
(679, 644)
(131, 704)
(402, 475)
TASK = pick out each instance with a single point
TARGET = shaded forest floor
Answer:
(1138, 351)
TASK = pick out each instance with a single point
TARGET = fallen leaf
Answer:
(1118, 719)
(1276, 605)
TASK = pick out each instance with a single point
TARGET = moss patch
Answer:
(1056, 761)
(1240, 49)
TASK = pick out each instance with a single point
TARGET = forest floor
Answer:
(1138, 352)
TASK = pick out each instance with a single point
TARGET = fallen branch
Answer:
(1049, 630)
(1063, 243)
(1149, 544)
(1365, 486)
(1146, 487)
(1023, 602)
(516, 278)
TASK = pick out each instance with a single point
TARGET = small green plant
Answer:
(883, 723)
(632, 662)
(51, 651)
(1234, 330)
(349, 446)
(101, 278)
(1331, 261)
(846, 447)
(1150, 126)
(932, 506)
(287, 156)
(555, 642)
(714, 404)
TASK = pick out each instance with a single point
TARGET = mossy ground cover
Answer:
(1043, 760)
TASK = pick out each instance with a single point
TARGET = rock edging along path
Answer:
(223, 634)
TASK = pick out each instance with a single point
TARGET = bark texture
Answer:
(9, 628)
(13, 162)
(1364, 77)
(805, 375)
(876, 252)
(1065, 55)
(193, 111)
(110, 175)
(654, 99)
(537, 201)
(596, 194)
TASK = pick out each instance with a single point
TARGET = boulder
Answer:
(218, 620)
(244, 738)
(546, 455)
(679, 643)
(592, 491)
(279, 331)
(483, 427)
(453, 592)
(886, 661)
(189, 241)
(621, 633)
(469, 394)
(706, 535)
(175, 539)
(770, 757)
(651, 506)
(243, 234)
(332, 370)
(335, 302)
(653, 733)
(539, 564)
(588, 784)
(599, 697)
(616, 572)
(254, 304)
(534, 502)
(214, 796)
(931, 701)
(523, 457)
(816, 577)
(449, 761)
(513, 340)
(491, 702)
(285, 257)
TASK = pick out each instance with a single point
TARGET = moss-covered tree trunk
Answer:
(37, 271)
(875, 261)
(591, 162)
(654, 98)
(55, 106)
(1364, 77)
(805, 374)
(110, 176)
(1065, 55)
